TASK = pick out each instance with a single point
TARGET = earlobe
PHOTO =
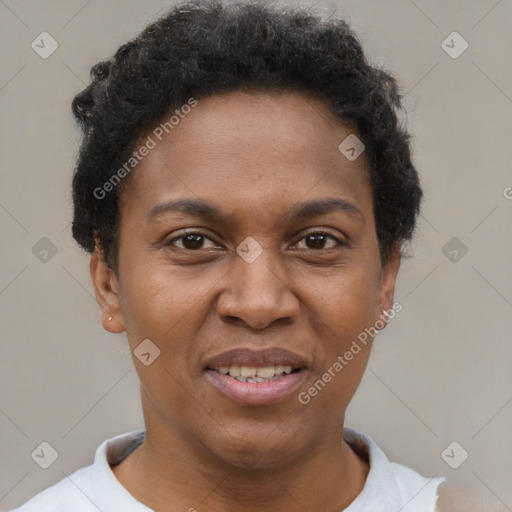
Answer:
(106, 290)
(387, 284)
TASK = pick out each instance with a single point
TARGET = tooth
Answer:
(266, 372)
(248, 372)
(252, 374)
(234, 371)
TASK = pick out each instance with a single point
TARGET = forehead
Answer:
(251, 150)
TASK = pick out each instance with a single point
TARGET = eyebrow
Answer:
(319, 207)
(301, 211)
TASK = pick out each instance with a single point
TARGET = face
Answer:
(248, 246)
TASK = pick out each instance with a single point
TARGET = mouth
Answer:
(254, 374)
(256, 377)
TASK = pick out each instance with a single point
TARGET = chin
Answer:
(258, 450)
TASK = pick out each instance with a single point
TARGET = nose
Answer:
(257, 295)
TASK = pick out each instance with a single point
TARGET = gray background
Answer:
(441, 371)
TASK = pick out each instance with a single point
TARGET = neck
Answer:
(173, 475)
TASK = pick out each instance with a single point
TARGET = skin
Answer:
(254, 156)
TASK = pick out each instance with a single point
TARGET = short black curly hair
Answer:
(206, 47)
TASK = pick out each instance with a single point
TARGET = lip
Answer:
(256, 358)
(256, 393)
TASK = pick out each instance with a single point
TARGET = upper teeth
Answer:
(266, 372)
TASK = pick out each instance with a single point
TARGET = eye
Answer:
(317, 241)
(191, 241)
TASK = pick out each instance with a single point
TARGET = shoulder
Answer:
(64, 494)
(390, 486)
(415, 490)
(94, 487)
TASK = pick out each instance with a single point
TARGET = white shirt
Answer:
(389, 487)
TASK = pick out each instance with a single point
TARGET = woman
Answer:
(244, 189)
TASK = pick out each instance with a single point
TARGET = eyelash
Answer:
(340, 243)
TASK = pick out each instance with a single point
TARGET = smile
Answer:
(253, 374)
(244, 385)
(256, 377)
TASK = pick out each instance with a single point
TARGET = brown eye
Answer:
(191, 241)
(318, 241)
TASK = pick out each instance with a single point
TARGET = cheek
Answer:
(154, 302)
(343, 313)
(169, 306)
(344, 300)
(330, 390)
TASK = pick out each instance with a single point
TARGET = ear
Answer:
(106, 289)
(387, 283)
